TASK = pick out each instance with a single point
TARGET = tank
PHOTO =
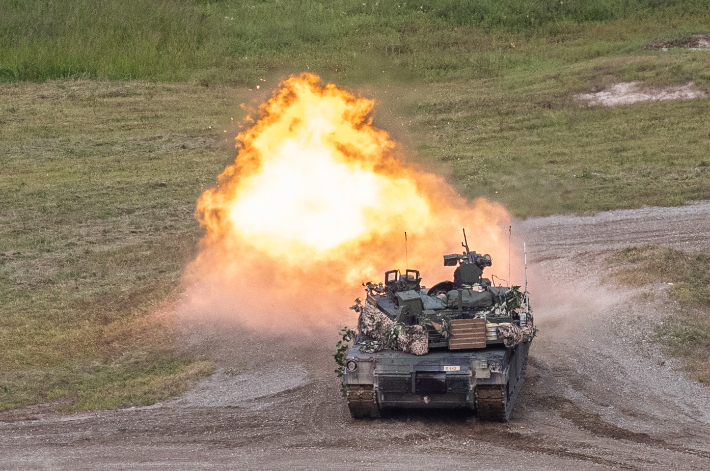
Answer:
(461, 344)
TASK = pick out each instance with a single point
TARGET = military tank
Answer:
(459, 344)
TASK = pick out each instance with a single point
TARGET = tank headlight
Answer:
(351, 365)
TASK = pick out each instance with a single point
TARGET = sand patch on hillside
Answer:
(627, 93)
(700, 42)
(694, 42)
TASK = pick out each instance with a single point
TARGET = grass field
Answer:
(98, 189)
(350, 41)
(115, 116)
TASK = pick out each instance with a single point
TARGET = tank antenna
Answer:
(525, 255)
(406, 253)
(510, 232)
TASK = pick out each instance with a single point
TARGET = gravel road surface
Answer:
(599, 394)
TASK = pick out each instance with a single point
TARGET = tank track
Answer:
(491, 403)
(495, 402)
(362, 401)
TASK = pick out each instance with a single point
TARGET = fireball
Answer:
(318, 201)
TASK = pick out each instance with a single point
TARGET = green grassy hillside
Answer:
(239, 42)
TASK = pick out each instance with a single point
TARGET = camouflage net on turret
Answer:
(513, 335)
(387, 334)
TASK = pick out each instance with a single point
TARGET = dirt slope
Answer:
(598, 395)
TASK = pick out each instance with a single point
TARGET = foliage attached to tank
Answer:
(341, 349)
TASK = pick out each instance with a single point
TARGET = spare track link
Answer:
(362, 401)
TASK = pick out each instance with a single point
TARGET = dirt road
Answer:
(598, 394)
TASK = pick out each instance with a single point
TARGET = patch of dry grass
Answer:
(687, 332)
(96, 224)
(689, 273)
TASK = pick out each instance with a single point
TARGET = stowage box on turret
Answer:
(459, 344)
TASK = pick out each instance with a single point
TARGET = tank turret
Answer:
(460, 344)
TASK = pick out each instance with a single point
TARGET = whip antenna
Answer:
(510, 232)
(525, 255)
(406, 254)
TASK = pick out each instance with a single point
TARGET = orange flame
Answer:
(317, 202)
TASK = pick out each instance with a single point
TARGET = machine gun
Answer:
(468, 257)
(470, 265)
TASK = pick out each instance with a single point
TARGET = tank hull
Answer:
(486, 381)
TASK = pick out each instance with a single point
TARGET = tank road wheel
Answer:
(362, 402)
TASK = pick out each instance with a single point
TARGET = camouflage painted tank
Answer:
(459, 344)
